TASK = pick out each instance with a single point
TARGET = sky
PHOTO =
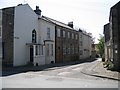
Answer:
(89, 15)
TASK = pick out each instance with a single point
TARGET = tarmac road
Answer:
(70, 76)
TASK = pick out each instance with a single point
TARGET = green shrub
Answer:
(110, 66)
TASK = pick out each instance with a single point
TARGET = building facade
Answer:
(27, 37)
(114, 42)
(0, 35)
(85, 45)
(66, 42)
(107, 46)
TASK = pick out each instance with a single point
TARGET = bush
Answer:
(110, 66)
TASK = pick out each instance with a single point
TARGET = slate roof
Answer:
(57, 22)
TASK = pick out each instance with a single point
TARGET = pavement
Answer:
(98, 70)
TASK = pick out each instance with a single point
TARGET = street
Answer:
(69, 76)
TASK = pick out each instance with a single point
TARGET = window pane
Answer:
(51, 49)
(36, 50)
(63, 33)
(68, 34)
(72, 35)
(48, 33)
(58, 33)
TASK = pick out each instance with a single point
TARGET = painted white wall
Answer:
(43, 25)
(25, 20)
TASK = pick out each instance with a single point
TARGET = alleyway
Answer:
(80, 75)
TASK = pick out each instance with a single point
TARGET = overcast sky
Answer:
(89, 15)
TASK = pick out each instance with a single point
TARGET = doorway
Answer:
(31, 54)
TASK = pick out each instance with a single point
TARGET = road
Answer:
(70, 76)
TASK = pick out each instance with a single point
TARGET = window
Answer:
(48, 33)
(68, 34)
(36, 50)
(34, 36)
(41, 49)
(69, 49)
(58, 33)
(63, 33)
(72, 35)
(64, 49)
(76, 36)
(76, 50)
(73, 49)
(81, 43)
(47, 50)
(51, 49)
(0, 31)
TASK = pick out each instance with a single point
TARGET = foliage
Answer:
(100, 46)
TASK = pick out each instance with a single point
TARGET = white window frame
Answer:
(48, 33)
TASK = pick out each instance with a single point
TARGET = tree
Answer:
(100, 45)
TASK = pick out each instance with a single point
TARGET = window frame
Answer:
(48, 33)
(58, 32)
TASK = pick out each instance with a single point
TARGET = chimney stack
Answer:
(38, 11)
(70, 24)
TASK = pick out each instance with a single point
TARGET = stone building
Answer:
(114, 31)
(27, 37)
(0, 35)
(85, 45)
(107, 42)
(66, 42)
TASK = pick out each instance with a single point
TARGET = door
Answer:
(31, 54)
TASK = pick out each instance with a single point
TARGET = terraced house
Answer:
(27, 37)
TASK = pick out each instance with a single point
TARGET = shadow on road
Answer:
(6, 71)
